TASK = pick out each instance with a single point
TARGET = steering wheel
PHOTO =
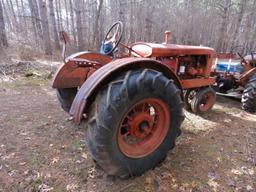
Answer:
(241, 51)
(114, 35)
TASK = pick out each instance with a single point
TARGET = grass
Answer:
(26, 81)
(77, 145)
(37, 184)
(35, 158)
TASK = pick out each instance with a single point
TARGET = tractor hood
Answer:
(142, 49)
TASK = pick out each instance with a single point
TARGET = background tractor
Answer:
(236, 77)
(132, 105)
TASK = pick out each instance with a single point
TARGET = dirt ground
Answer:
(40, 150)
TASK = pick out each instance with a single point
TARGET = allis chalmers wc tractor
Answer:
(132, 106)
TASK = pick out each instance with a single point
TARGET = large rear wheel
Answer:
(133, 122)
(249, 95)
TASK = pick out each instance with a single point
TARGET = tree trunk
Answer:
(235, 39)
(24, 18)
(252, 29)
(223, 28)
(54, 26)
(72, 22)
(122, 18)
(57, 15)
(36, 21)
(67, 19)
(60, 15)
(131, 23)
(45, 27)
(79, 26)
(148, 21)
(8, 23)
(96, 26)
(3, 37)
(14, 17)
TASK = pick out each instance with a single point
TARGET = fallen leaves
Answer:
(213, 184)
(243, 171)
(55, 160)
(149, 184)
(10, 156)
(84, 155)
(22, 163)
(44, 188)
(72, 187)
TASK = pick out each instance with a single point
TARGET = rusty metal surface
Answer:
(167, 37)
(77, 68)
(245, 76)
(66, 40)
(79, 62)
(197, 82)
(157, 50)
(109, 71)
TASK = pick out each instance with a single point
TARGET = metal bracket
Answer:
(79, 62)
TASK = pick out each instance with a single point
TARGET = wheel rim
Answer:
(190, 96)
(143, 128)
(207, 101)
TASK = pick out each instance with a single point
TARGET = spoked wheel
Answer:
(134, 122)
(203, 100)
(144, 128)
(188, 96)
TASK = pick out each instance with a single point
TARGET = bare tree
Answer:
(239, 22)
(35, 18)
(3, 37)
(223, 29)
(54, 26)
(79, 25)
(96, 26)
(73, 22)
(45, 27)
(220, 24)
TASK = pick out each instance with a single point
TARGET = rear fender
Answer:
(105, 74)
(246, 76)
(70, 75)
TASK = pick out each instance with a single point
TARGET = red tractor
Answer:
(132, 106)
(236, 76)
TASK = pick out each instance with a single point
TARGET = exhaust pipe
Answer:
(167, 37)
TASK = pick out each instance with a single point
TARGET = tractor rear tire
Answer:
(133, 122)
(249, 96)
(66, 97)
(203, 100)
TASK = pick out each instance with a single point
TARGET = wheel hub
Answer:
(144, 127)
(141, 125)
(206, 102)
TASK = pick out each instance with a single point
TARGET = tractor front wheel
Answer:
(249, 95)
(203, 100)
(188, 97)
(134, 122)
(66, 97)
